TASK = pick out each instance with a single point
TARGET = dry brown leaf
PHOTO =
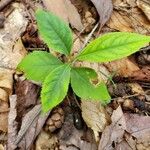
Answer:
(75, 141)
(12, 124)
(3, 95)
(120, 22)
(6, 79)
(126, 128)
(128, 17)
(123, 67)
(11, 48)
(95, 116)
(104, 8)
(114, 134)
(1, 147)
(144, 5)
(141, 75)
(136, 88)
(65, 10)
(46, 141)
(31, 126)
(4, 120)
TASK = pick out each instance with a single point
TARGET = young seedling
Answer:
(56, 76)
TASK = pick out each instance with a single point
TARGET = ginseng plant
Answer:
(56, 76)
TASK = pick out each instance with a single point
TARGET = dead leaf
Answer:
(104, 8)
(144, 5)
(32, 124)
(113, 134)
(125, 129)
(141, 75)
(12, 124)
(6, 79)
(46, 141)
(11, 49)
(1, 147)
(120, 22)
(95, 116)
(128, 17)
(65, 10)
(75, 141)
(123, 67)
(3, 95)
(27, 95)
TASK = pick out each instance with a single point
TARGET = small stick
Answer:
(90, 35)
(4, 3)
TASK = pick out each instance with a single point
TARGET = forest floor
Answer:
(124, 124)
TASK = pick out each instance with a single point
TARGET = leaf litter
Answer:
(126, 132)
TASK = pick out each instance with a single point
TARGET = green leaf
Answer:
(37, 65)
(82, 83)
(113, 46)
(55, 33)
(55, 87)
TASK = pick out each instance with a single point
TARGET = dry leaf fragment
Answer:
(123, 67)
(3, 95)
(144, 5)
(12, 124)
(6, 79)
(31, 126)
(114, 134)
(11, 50)
(104, 8)
(130, 128)
(1, 147)
(95, 116)
(141, 75)
(46, 141)
(65, 10)
(120, 22)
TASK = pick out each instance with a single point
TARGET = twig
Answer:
(90, 35)
(4, 3)
(129, 96)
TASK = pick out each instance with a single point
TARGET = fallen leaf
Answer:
(95, 116)
(1, 147)
(12, 124)
(65, 10)
(126, 128)
(32, 124)
(11, 49)
(6, 79)
(113, 134)
(144, 5)
(104, 8)
(128, 17)
(141, 75)
(27, 95)
(120, 22)
(46, 141)
(75, 141)
(123, 67)
(3, 95)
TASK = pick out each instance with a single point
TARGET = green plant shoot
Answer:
(56, 76)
